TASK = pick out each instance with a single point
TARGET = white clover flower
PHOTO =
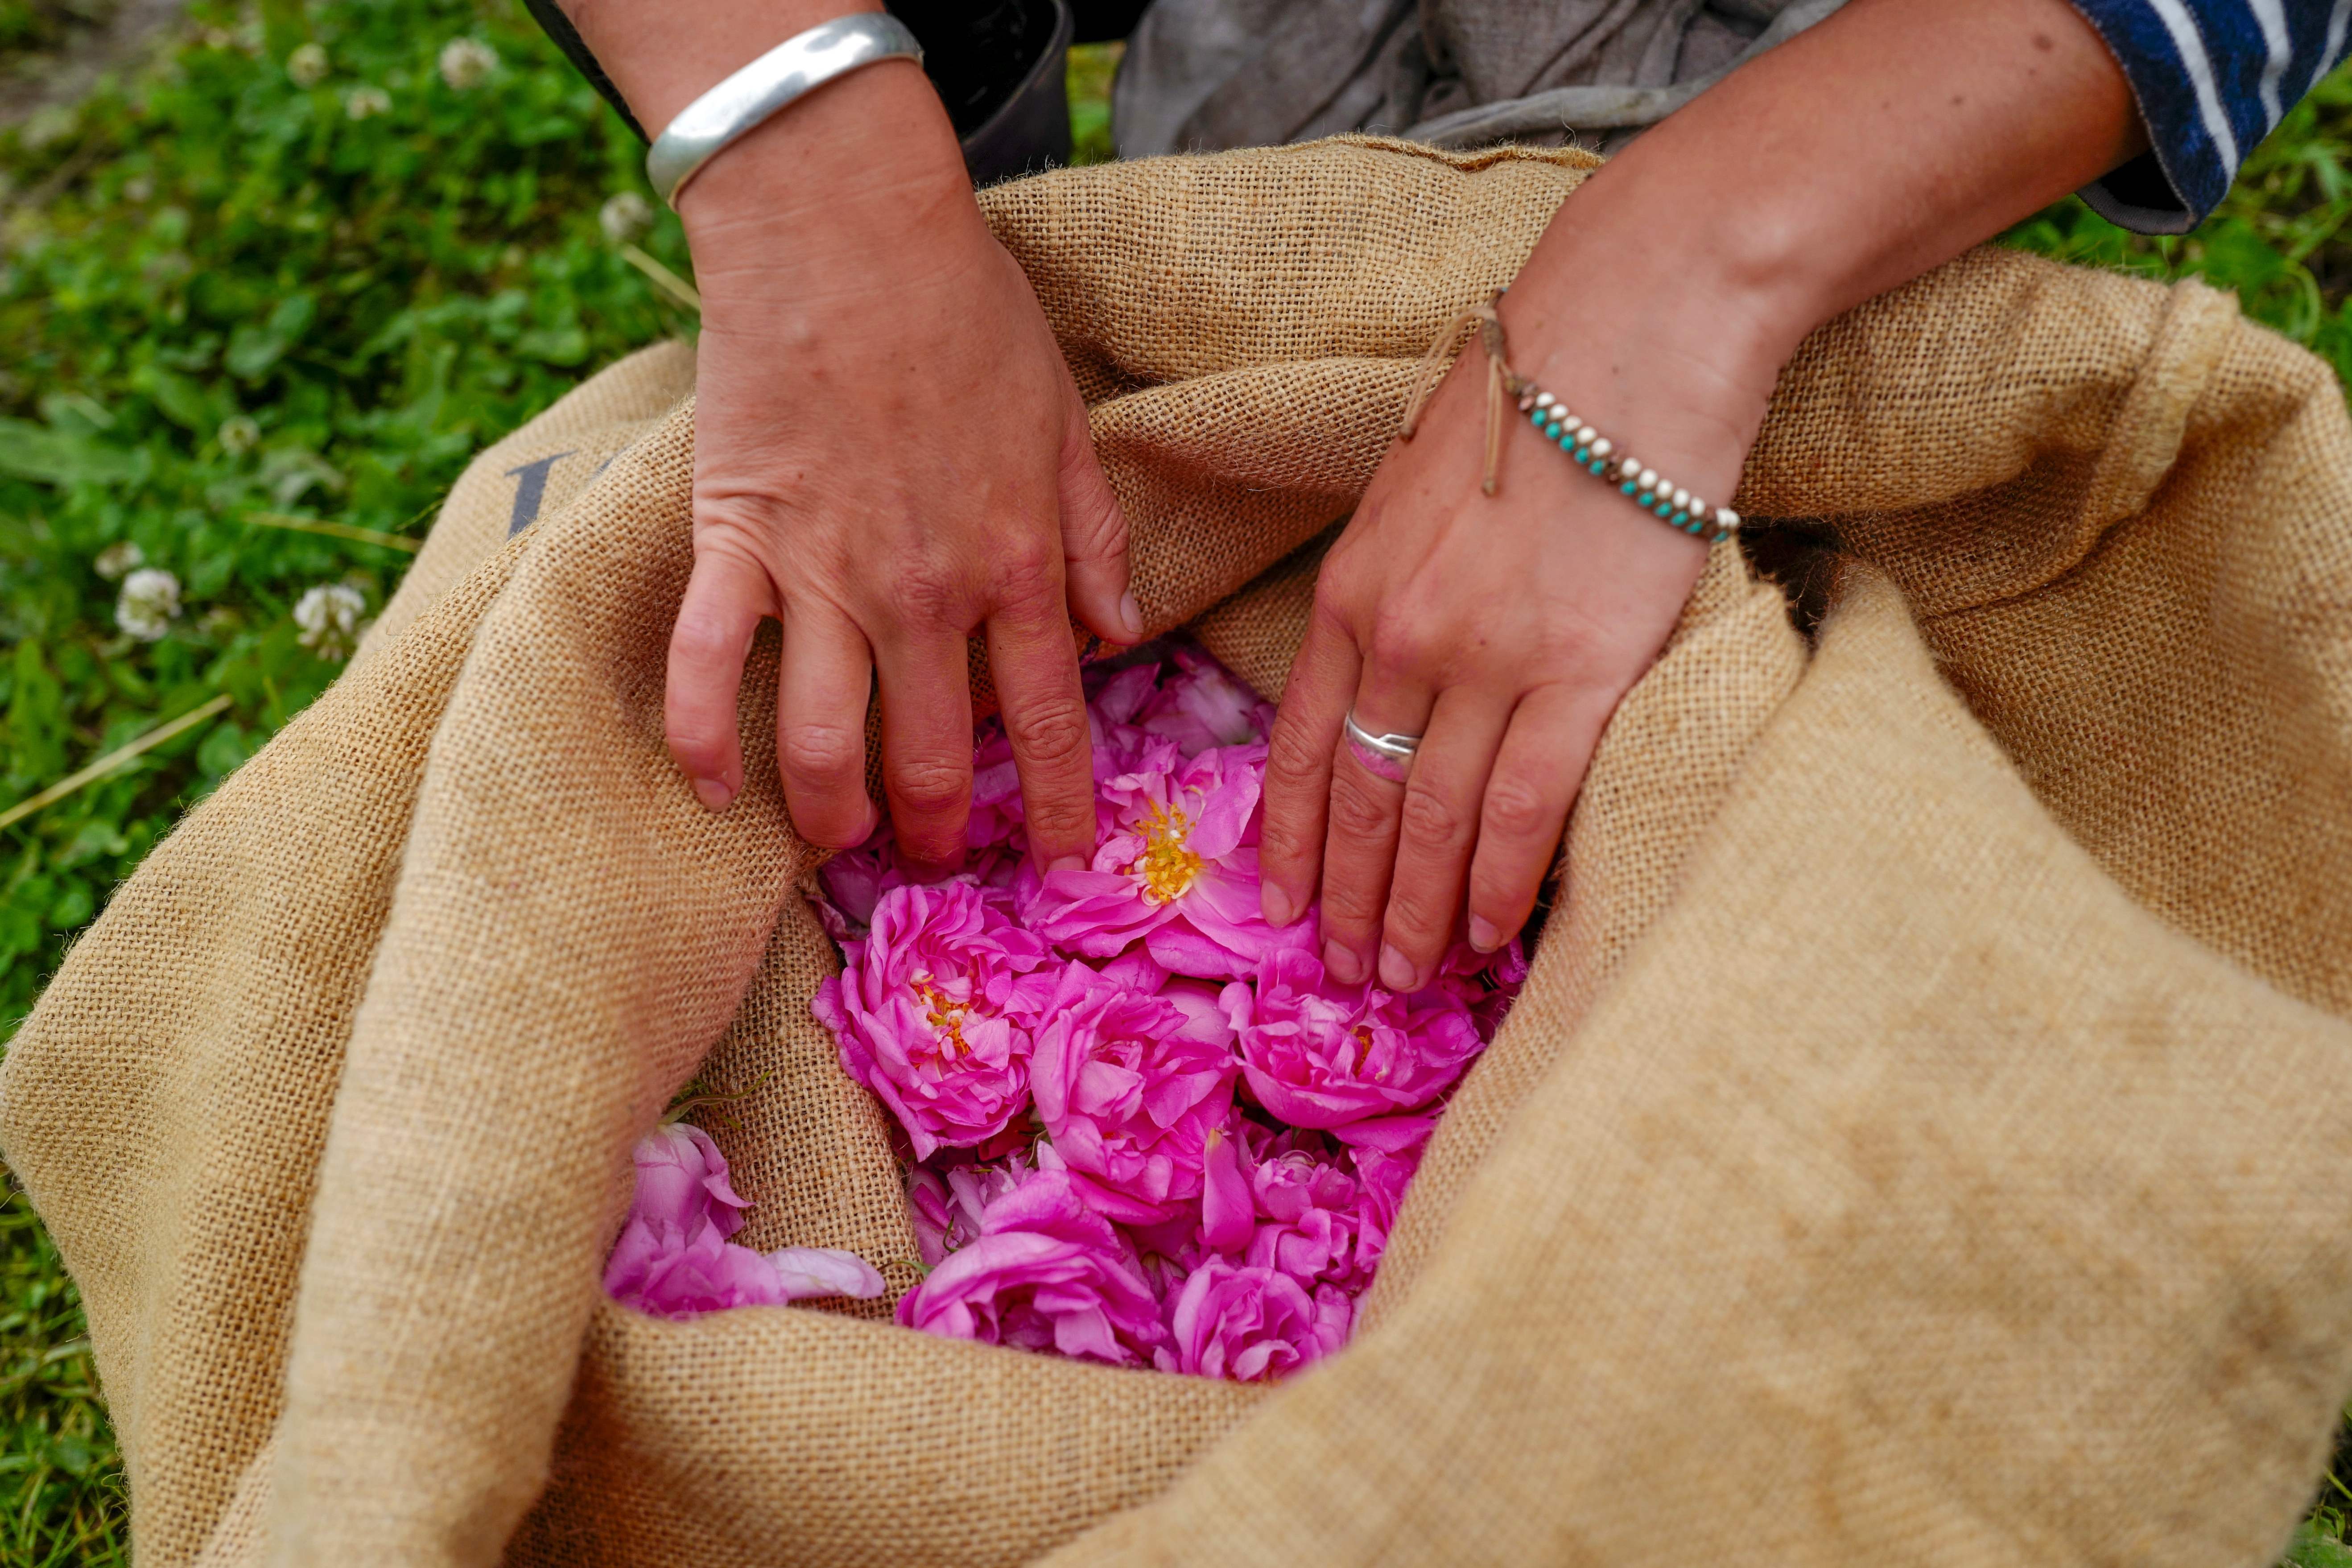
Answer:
(149, 604)
(366, 102)
(238, 435)
(328, 616)
(305, 67)
(624, 216)
(467, 63)
(113, 561)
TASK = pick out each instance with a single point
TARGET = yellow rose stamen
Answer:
(945, 1014)
(1166, 869)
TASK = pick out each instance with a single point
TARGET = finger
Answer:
(1299, 767)
(1036, 670)
(821, 695)
(927, 750)
(725, 598)
(1093, 538)
(1359, 845)
(1538, 771)
(1436, 832)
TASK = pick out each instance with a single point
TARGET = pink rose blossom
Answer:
(1250, 1324)
(1121, 746)
(1062, 1055)
(673, 1259)
(946, 1205)
(1386, 1153)
(1130, 1084)
(1318, 1054)
(935, 1012)
(1228, 1206)
(1177, 866)
(1487, 983)
(1308, 1212)
(814, 1271)
(995, 823)
(1201, 705)
(682, 1182)
(1045, 1273)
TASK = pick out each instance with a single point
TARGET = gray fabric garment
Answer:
(1201, 75)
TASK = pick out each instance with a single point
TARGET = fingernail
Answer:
(1397, 972)
(1341, 963)
(1067, 863)
(1130, 615)
(1483, 934)
(1275, 905)
(713, 794)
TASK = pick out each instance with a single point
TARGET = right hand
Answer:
(889, 455)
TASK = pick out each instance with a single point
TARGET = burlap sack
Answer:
(1920, 1140)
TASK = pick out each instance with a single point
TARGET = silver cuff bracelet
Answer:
(744, 101)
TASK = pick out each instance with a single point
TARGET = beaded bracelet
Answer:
(1586, 447)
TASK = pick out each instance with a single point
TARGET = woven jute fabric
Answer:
(1920, 1139)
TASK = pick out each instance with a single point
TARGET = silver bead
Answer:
(1726, 519)
(1571, 424)
(1646, 479)
(1681, 499)
(1601, 447)
(1545, 400)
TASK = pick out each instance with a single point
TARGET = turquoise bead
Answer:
(1628, 486)
(1681, 517)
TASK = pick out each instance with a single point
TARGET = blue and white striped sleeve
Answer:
(2212, 76)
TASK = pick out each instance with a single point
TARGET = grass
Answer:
(254, 320)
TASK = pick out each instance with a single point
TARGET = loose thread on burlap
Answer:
(1589, 450)
(1431, 371)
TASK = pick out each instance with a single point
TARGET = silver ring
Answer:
(1384, 756)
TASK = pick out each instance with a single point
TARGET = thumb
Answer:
(1094, 539)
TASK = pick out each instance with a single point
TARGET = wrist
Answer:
(863, 162)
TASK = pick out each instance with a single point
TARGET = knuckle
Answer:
(1516, 811)
(1292, 761)
(1026, 571)
(1051, 734)
(929, 785)
(1350, 909)
(1415, 925)
(1430, 819)
(705, 642)
(1401, 642)
(1357, 815)
(1096, 533)
(1061, 819)
(931, 594)
(822, 753)
(1336, 592)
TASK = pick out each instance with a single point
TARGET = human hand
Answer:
(1660, 304)
(889, 454)
(1503, 629)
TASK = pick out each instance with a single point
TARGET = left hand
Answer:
(1663, 298)
(1502, 629)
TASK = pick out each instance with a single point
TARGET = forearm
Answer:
(1870, 149)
